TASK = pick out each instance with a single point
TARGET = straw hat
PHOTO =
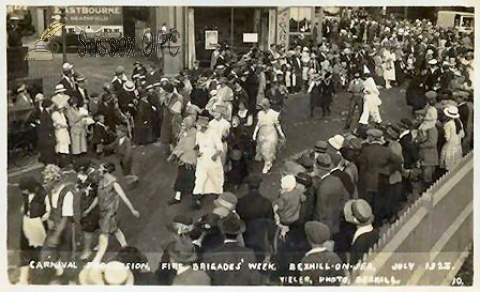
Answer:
(451, 112)
(128, 86)
(59, 88)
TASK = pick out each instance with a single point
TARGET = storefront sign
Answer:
(93, 15)
(250, 37)
(211, 39)
(283, 21)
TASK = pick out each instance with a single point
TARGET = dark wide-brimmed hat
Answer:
(232, 225)
(306, 160)
(304, 179)
(321, 146)
(82, 164)
(324, 161)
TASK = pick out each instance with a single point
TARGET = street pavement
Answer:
(157, 176)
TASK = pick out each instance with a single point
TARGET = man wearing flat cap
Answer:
(318, 234)
(359, 213)
(232, 252)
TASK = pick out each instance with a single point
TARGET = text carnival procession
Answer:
(217, 124)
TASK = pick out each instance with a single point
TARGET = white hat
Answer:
(433, 62)
(67, 67)
(336, 141)
(288, 182)
(59, 88)
(305, 49)
(451, 112)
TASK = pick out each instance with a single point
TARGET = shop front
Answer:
(238, 27)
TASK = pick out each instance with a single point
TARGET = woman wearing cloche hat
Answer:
(452, 149)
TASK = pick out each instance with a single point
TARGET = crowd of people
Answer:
(215, 122)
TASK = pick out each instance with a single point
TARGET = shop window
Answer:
(300, 19)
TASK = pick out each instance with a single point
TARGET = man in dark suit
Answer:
(195, 72)
(46, 134)
(359, 212)
(377, 162)
(335, 188)
(257, 213)
(251, 86)
(253, 205)
(432, 77)
(81, 92)
(68, 80)
(231, 252)
(318, 234)
(119, 79)
(297, 68)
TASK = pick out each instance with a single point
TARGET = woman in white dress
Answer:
(62, 135)
(266, 134)
(209, 174)
(371, 102)
(388, 66)
(452, 149)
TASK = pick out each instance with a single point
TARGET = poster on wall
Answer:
(211, 39)
(250, 37)
(283, 26)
